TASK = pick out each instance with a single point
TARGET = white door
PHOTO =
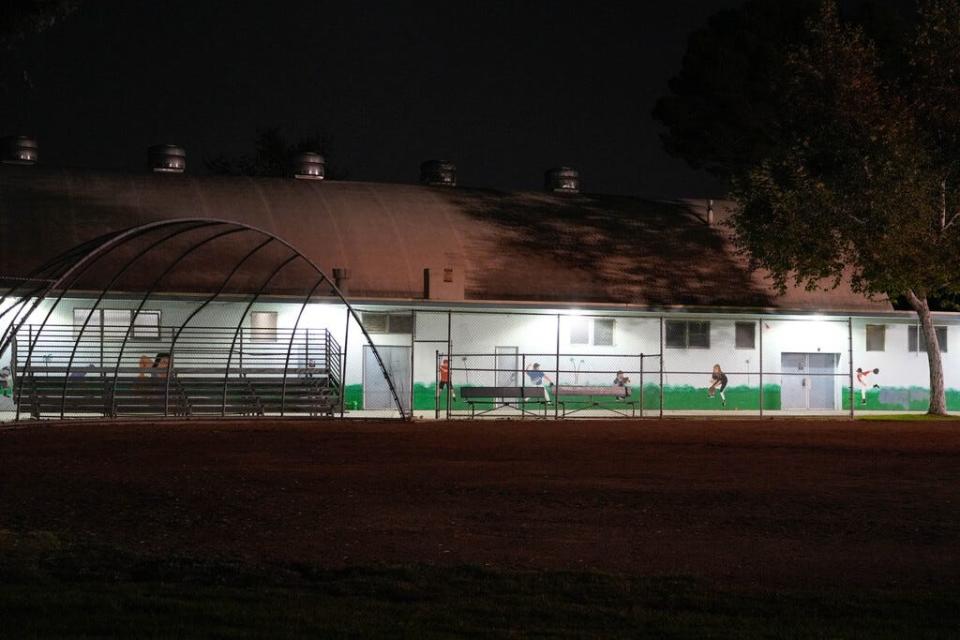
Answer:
(808, 381)
(507, 365)
(376, 390)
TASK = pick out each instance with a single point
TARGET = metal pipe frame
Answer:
(61, 274)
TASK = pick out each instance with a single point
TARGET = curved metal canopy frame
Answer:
(55, 279)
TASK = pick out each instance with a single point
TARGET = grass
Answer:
(50, 590)
(909, 417)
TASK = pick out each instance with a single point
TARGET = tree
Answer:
(863, 181)
(19, 20)
(273, 156)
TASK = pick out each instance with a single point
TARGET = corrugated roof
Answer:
(511, 246)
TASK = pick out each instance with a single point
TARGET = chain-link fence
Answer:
(500, 363)
(524, 364)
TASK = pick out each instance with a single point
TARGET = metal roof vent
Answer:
(441, 173)
(308, 166)
(19, 150)
(167, 158)
(562, 180)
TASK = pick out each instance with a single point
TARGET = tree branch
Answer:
(952, 220)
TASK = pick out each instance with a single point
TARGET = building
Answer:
(582, 285)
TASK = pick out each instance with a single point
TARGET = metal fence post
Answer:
(449, 358)
(641, 385)
(436, 385)
(556, 381)
(661, 366)
(343, 366)
(760, 331)
(850, 358)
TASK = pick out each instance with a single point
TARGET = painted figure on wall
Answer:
(718, 382)
(864, 383)
(537, 376)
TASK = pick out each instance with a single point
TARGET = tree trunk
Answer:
(938, 400)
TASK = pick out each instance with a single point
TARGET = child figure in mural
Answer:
(718, 382)
(445, 379)
(6, 389)
(537, 376)
(864, 383)
(622, 381)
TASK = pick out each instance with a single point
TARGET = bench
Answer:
(188, 391)
(516, 397)
(590, 395)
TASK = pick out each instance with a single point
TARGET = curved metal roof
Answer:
(534, 247)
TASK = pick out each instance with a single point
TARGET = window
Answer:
(914, 334)
(263, 325)
(401, 322)
(746, 335)
(876, 337)
(146, 326)
(599, 329)
(580, 331)
(603, 332)
(378, 322)
(688, 334)
(112, 324)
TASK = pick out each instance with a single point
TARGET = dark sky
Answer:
(505, 89)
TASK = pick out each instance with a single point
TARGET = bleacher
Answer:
(197, 372)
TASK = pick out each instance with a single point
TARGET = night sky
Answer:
(505, 89)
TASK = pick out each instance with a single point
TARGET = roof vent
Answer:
(438, 173)
(562, 180)
(167, 158)
(19, 150)
(308, 166)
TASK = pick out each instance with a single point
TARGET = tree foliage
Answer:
(273, 156)
(860, 177)
(19, 20)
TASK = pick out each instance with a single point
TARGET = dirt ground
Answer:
(803, 503)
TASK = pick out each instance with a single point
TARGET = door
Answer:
(376, 391)
(507, 365)
(823, 388)
(808, 380)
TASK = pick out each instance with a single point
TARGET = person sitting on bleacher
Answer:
(622, 381)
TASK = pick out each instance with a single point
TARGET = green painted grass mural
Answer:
(679, 397)
(899, 399)
(690, 398)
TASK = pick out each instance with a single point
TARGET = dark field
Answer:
(678, 528)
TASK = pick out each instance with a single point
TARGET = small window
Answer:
(698, 335)
(676, 334)
(84, 316)
(374, 322)
(693, 334)
(876, 337)
(746, 335)
(914, 335)
(111, 324)
(378, 322)
(401, 323)
(579, 331)
(603, 332)
(263, 325)
(448, 274)
(146, 326)
(115, 323)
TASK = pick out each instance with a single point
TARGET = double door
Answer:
(809, 381)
